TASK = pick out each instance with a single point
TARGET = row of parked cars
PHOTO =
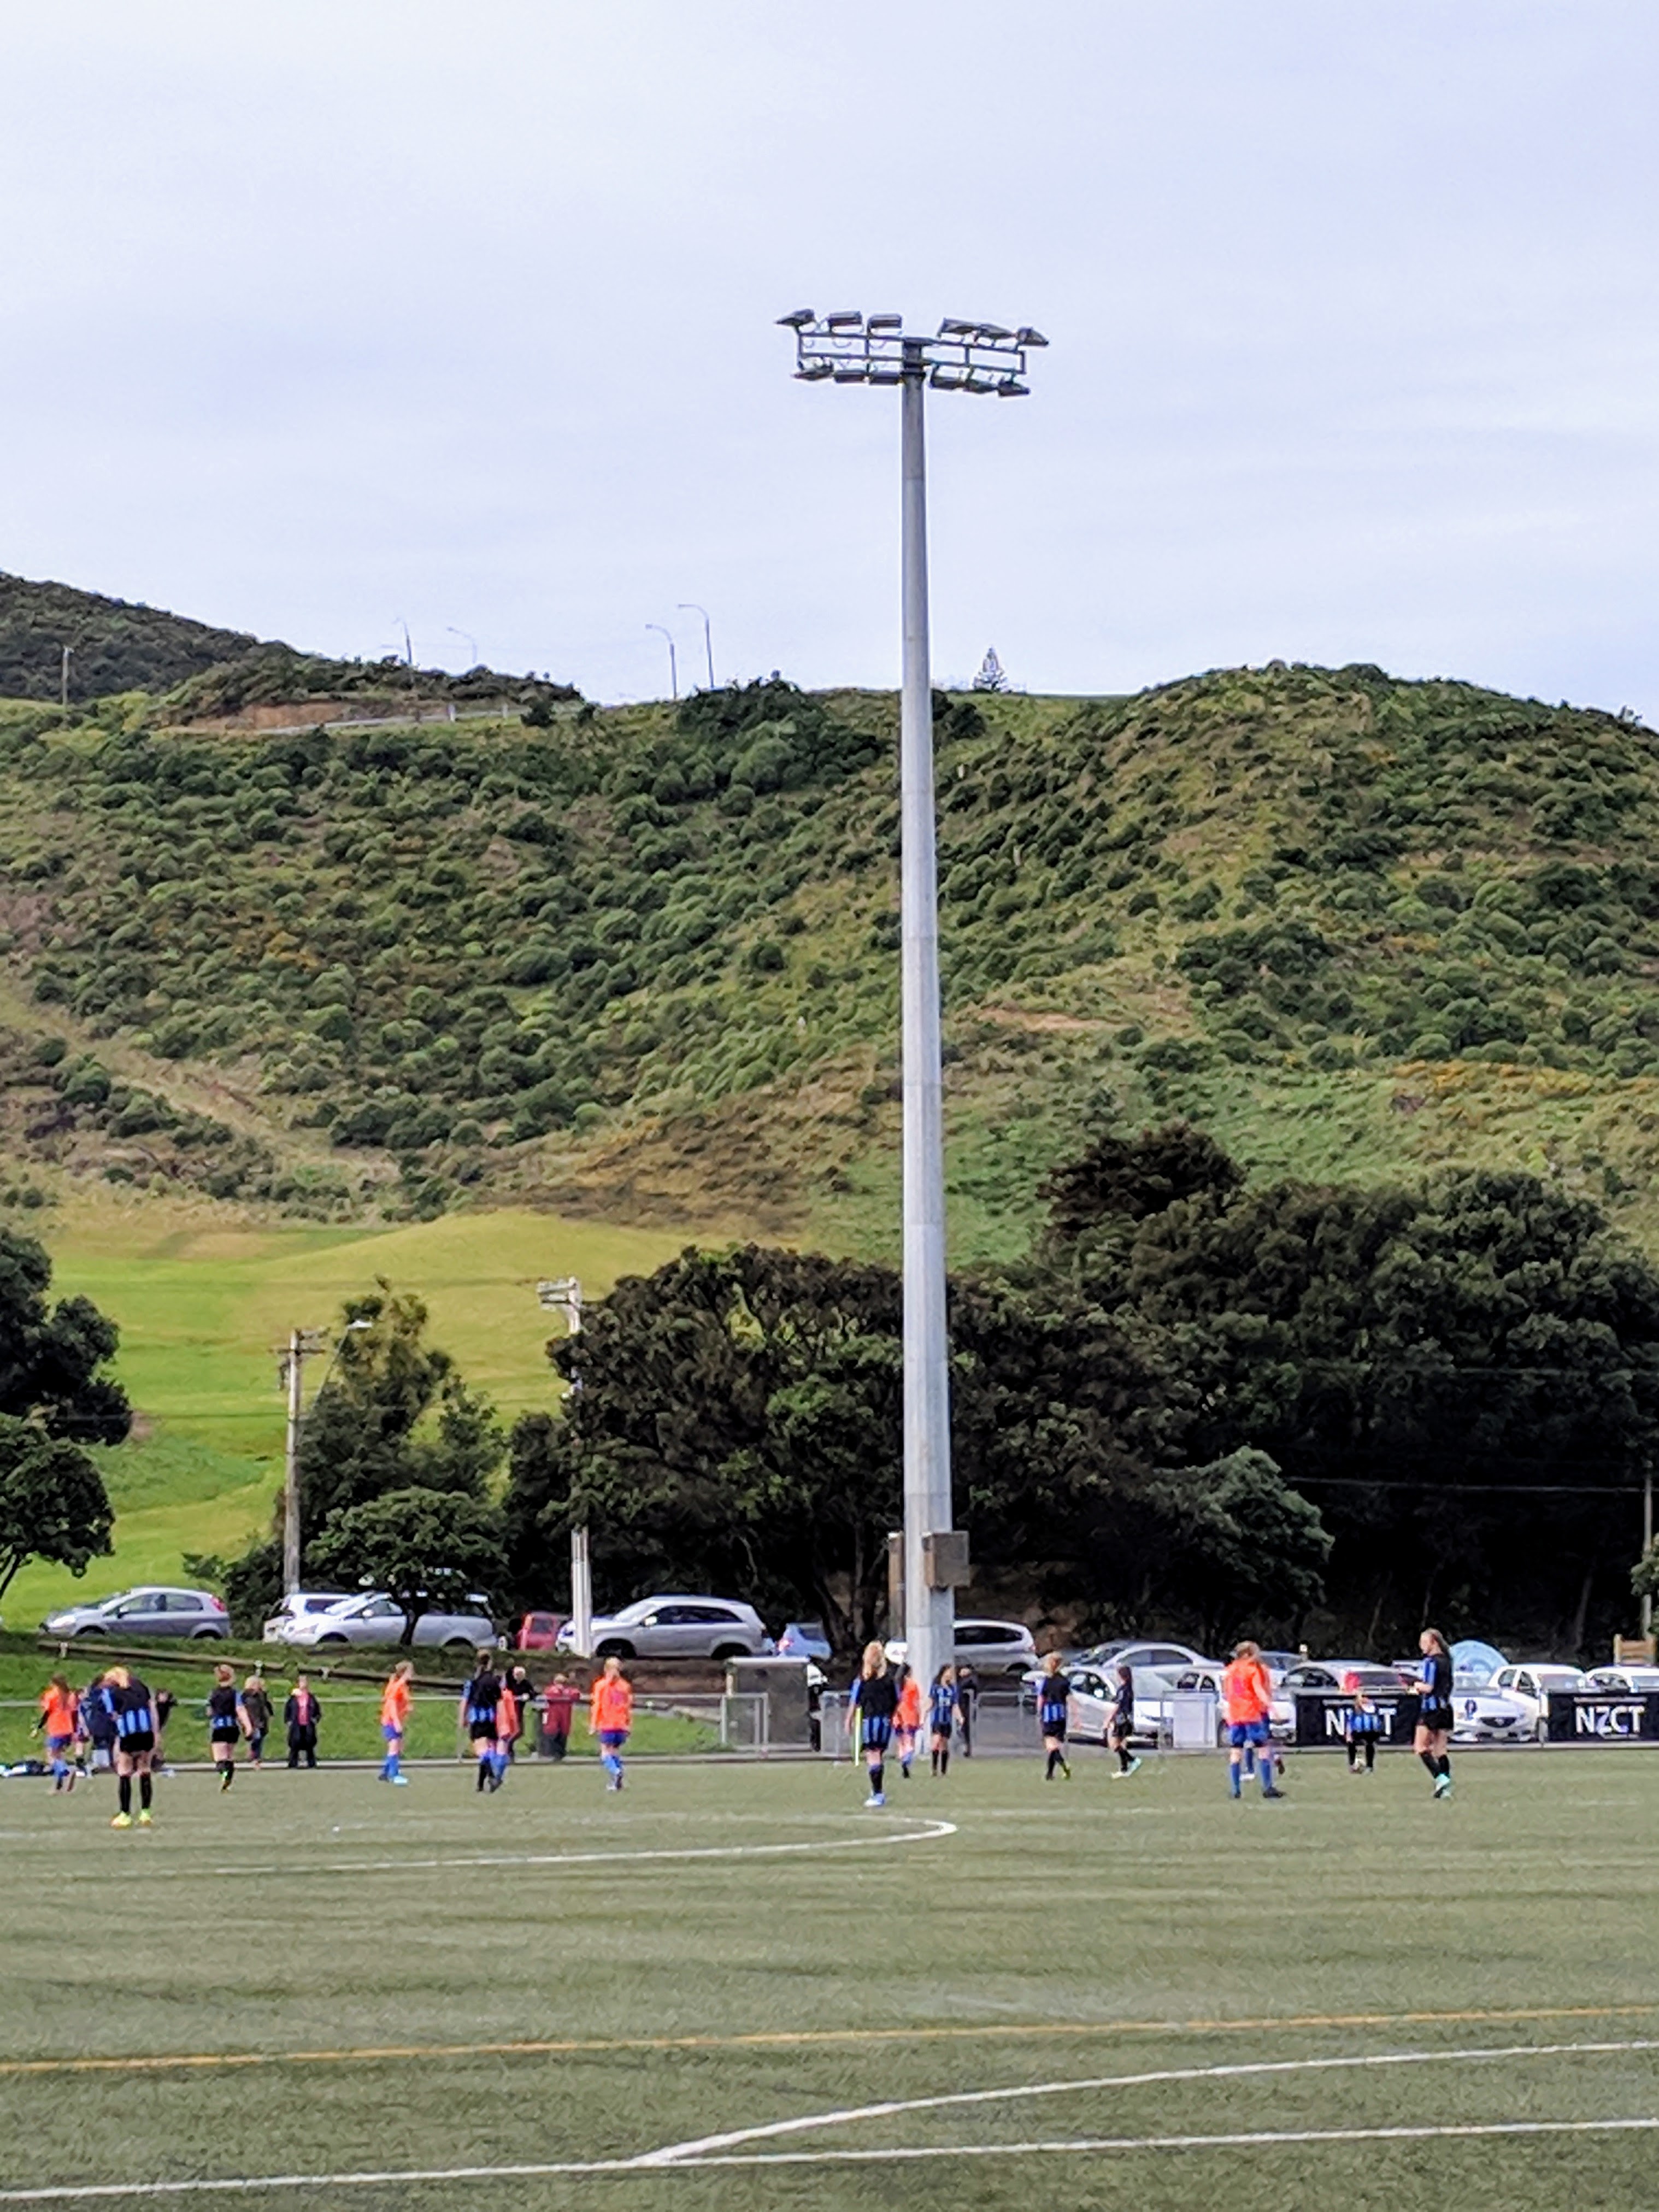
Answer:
(1507, 1704)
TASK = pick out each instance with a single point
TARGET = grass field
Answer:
(201, 1303)
(1082, 1995)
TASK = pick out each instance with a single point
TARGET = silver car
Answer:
(378, 1618)
(675, 1627)
(148, 1612)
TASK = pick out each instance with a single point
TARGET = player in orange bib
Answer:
(394, 1721)
(907, 1721)
(60, 1710)
(611, 1706)
(1247, 1696)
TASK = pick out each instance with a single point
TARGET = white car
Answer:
(676, 1627)
(989, 1647)
(296, 1606)
(1156, 1666)
(1530, 1688)
(1625, 1681)
(1482, 1713)
(377, 1619)
(1325, 1677)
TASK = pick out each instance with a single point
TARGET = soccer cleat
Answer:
(875, 1798)
(1443, 1785)
(1133, 1766)
(1273, 1793)
(144, 1818)
(398, 1781)
(122, 1820)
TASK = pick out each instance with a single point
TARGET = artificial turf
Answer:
(556, 1974)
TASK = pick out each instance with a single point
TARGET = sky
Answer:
(323, 319)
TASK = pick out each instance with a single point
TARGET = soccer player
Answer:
(871, 1705)
(941, 1717)
(1434, 1715)
(907, 1720)
(131, 1708)
(1054, 1702)
(1120, 1726)
(60, 1712)
(481, 1717)
(1247, 1700)
(1364, 1729)
(394, 1721)
(611, 1716)
(227, 1724)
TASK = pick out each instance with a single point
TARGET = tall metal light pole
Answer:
(690, 607)
(563, 1294)
(673, 657)
(982, 358)
(302, 1344)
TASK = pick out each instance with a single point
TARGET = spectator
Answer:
(300, 1715)
(164, 1701)
(256, 1703)
(558, 1701)
(100, 1726)
(522, 1691)
(967, 1706)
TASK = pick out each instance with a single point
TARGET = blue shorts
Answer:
(1241, 1732)
(877, 1732)
(612, 1739)
(391, 1731)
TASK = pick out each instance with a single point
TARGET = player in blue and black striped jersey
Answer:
(1053, 1704)
(941, 1717)
(871, 1705)
(480, 1709)
(1434, 1714)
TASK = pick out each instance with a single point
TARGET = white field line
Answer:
(700, 2155)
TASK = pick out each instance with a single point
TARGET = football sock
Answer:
(227, 1774)
(1236, 1778)
(144, 1794)
(1266, 1773)
(482, 1773)
(878, 1775)
(1054, 1761)
(124, 1791)
(944, 1762)
(1123, 1758)
(1443, 1767)
(1430, 1761)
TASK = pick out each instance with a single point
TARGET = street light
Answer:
(673, 660)
(563, 1294)
(303, 1344)
(470, 640)
(983, 358)
(690, 607)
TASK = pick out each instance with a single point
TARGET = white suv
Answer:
(676, 1627)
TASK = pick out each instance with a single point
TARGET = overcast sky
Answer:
(320, 318)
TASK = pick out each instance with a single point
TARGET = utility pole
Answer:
(981, 358)
(1647, 1545)
(673, 657)
(563, 1294)
(64, 676)
(690, 607)
(302, 1344)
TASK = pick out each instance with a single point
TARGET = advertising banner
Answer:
(1322, 1717)
(1603, 1717)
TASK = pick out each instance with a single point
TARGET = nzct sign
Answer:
(1322, 1717)
(1603, 1717)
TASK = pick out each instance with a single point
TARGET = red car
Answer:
(538, 1631)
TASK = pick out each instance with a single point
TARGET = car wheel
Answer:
(207, 1635)
(88, 1630)
(723, 1651)
(612, 1648)
(333, 1639)
(458, 1643)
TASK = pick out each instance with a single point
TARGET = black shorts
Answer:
(1437, 1719)
(1054, 1727)
(136, 1747)
(226, 1734)
(482, 1731)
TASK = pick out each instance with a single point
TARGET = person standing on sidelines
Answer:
(480, 1715)
(131, 1706)
(1121, 1725)
(559, 1702)
(227, 1724)
(967, 1705)
(611, 1712)
(1247, 1697)
(1053, 1704)
(60, 1714)
(1434, 1715)
(941, 1717)
(395, 1701)
(521, 1700)
(256, 1703)
(872, 1703)
(907, 1720)
(300, 1715)
(1365, 1727)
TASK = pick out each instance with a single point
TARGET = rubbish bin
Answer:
(832, 1723)
(782, 1683)
(1193, 1720)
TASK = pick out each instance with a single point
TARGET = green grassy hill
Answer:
(469, 1004)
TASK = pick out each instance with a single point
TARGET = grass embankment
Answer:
(201, 1306)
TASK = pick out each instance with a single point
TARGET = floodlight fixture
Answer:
(982, 358)
(799, 321)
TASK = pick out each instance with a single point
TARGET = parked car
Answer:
(1530, 1687)
(377, 1619)
(673, 1627)
(1625, 1681)
(148, 1612)
(538, 1631)
(296, 1604)
(804, 1639)
(990, 1647)
(1329, 1674)
(1482, 1713)
(1154, 1666)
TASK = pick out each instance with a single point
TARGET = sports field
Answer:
(730, 1990)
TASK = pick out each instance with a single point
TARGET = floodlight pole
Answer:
(929, 1613)
(302, 1345)
(563, 1294)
